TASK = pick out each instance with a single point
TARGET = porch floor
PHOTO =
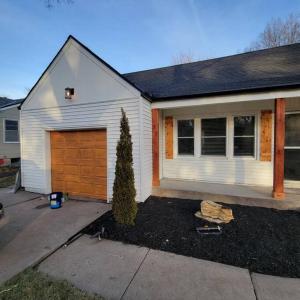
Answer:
(226, 193)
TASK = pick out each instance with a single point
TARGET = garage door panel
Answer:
(99, 144)
(101, 171)
(58, 168)
(58, 185)
(100, 153)
(72, 139)
(56, 155)
(73, 188)
(71, 169)
(57, 175)
(79, 163)
(88, 153)
(71, 155)
(57, 140)
(87, 171)
(92, 162)
(97, 180)
(72, 177)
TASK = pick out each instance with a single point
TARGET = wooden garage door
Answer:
(79, 163)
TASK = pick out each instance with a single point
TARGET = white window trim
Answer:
(4, 131)
(288, 182)
(256, 136)
(229, 136)
(292, 113)
(226, 137)
(175, 145)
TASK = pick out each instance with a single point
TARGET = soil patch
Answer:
(262, 240)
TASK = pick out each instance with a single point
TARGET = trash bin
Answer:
(55, 199)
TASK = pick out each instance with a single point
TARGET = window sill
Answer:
(214, 157)
(11, 142)
(243, 158)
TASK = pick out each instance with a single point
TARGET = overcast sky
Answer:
(129, 34)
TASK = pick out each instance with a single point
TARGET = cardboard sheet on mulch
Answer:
(260, 239)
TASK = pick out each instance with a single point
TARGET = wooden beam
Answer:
(278, 175)
(155, 147)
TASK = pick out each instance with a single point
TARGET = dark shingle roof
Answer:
(263, 69)
(5, 102)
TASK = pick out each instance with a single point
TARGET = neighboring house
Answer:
(222, 120)
(9, 128)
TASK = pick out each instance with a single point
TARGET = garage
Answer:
(70, 128)
(79, 163)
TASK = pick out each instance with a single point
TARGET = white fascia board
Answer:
(293, 93)
(9, 107)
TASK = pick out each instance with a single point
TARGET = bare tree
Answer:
(52, 3)
(183, 58)
(278, 32)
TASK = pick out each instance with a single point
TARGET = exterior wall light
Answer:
(69, 93)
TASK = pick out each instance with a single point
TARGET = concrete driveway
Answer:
(31, 230)
(121, 271)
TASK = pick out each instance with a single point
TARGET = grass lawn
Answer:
(7, 181)
(33, 285)
(7, 176)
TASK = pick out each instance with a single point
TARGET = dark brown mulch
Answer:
(261, 239)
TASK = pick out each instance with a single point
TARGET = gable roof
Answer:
(70, 37)
(258, 70)
(6, 102)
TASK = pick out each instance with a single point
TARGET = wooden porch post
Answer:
(155, 147)
(278, 175)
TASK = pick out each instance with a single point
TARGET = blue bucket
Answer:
(55, 199)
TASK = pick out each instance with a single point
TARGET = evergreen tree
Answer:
(123, 205)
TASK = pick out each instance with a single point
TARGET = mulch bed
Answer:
(262, 240)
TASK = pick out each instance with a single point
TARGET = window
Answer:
(292, 147)
(11, 131)
(213, 136)
(244, 136)
(185, 135)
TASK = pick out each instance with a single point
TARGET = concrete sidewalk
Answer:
(31, 230)
(118, 271)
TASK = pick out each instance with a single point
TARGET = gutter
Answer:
(10, 106)
(228, 92)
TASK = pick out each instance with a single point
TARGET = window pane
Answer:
(11, 136)
(186, 146)
(244, 125)
(244, 146)
(292, 164)
(213, 127)
(185, 128)
(11, 125)
(292, 130)
(11, 131)
(213, 146)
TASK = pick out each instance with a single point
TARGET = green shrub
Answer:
(123, 205)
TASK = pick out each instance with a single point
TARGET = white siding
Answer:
(9, 150)
(36, 124)
(219, 169)
(146, 149)
(99, 96)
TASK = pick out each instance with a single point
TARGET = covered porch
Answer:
(226, 193)
(241, 146)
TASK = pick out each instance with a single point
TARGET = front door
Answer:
(292, 147)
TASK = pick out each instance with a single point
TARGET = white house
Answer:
(232, 120)
(9, 130)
